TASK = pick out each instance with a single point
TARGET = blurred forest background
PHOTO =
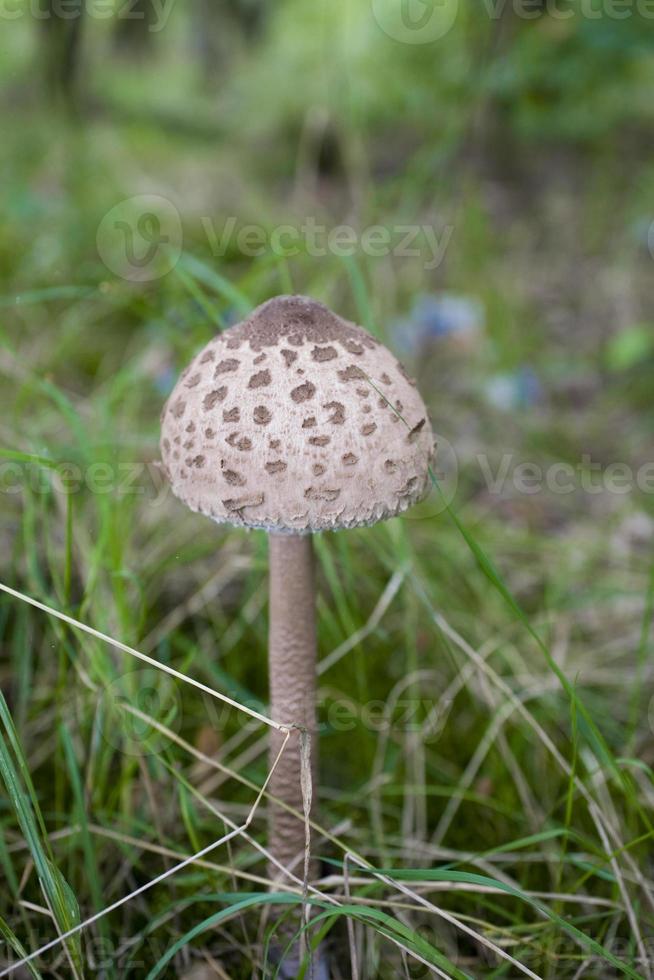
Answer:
(521, 135)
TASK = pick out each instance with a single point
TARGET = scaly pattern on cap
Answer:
(296, 420)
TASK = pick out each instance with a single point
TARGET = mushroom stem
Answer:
(292, 663)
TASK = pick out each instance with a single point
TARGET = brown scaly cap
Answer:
(290, 421)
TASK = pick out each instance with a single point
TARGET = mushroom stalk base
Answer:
(292, 662)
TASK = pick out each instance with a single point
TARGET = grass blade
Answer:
(22, 795)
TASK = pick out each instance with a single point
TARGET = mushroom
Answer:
(295, 421)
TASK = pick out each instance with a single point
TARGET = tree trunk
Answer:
(134, 32)
(61, 46)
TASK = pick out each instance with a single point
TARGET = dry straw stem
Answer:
(142, 656)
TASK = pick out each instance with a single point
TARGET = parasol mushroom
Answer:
(295, 421)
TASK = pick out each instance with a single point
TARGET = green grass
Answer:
(486, 745)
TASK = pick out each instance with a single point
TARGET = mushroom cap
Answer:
(296, 420)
